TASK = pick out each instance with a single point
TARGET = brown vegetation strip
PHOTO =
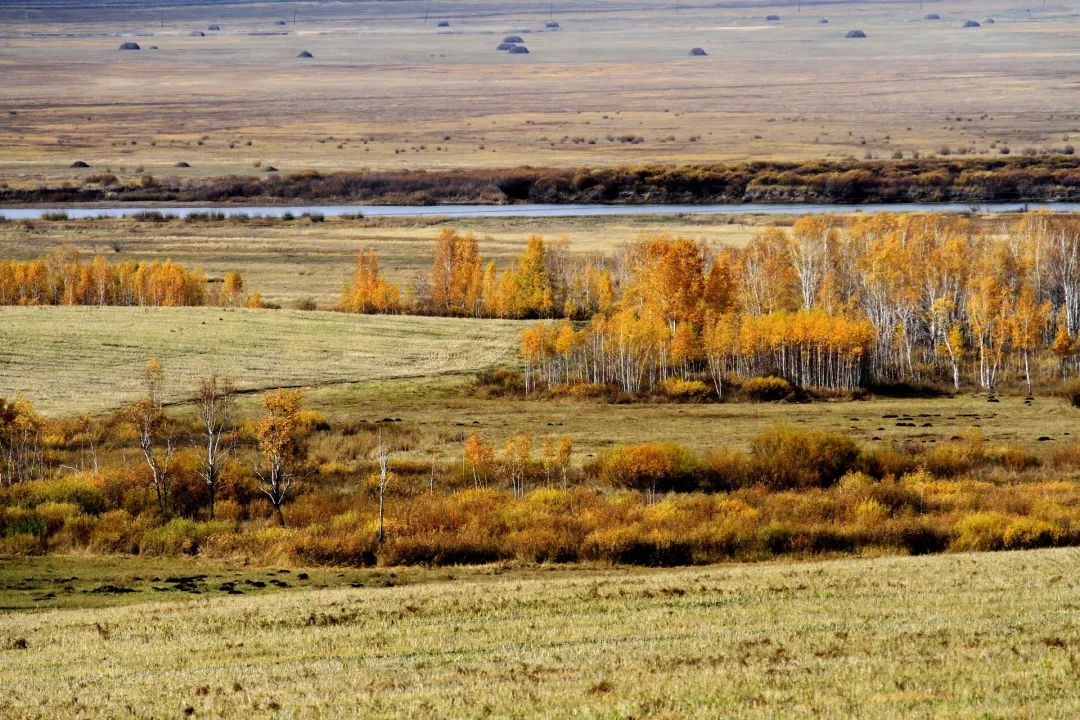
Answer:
(1046, 178)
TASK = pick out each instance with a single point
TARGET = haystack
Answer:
(130, 46)
(698, 52)
(552, 25)
(518, 50)
(505, 46)
(971, 23)
(932, 16)
(280, 22)
(198, 33)
(513, 39)
(182, 164)
(855, 34)
(988, 21)
(270, 169)
(304, 54)
(772, 18)
(444, 24)
(79, 164)
(823, 21)
(215, 28)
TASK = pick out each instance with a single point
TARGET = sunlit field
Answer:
(949, 636)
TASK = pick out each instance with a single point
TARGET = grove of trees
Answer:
(63, 278)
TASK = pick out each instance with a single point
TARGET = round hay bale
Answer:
(505, 46)
(772, 18)
(181, 164)
(855, 34)
(518, 50)
(198, 33)
(215, 27)
(552, 25)
(513, 39)
(270, 169)
(823, 21)
(698, 52)
(304, 55)
(932, 16)
(130, 46)
(971, 23)
(444, 24)
(79, 164)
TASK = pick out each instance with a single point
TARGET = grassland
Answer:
(954, 636)
(74, 360)
(389, 89)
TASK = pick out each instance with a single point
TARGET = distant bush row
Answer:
(975, 180)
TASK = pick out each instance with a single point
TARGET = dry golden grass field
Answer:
(388, 88)
(952, 636)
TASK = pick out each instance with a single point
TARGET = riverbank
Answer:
(1018, 180)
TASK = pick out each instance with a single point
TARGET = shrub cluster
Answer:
(792, 492)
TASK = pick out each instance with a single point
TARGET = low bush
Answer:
(766, 389)
(785, 457)
(686, 390)
(85, 490)
(981, 531)
(182, 536)
(652, 468)
(500, 382)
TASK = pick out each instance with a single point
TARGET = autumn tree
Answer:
(21, 448)
(479, 457)
(516, 461)
(280, 449)
(154, 431)
(215, 399)
(564, 448)
(369, 292)
(382, 479)
(1029, 317)
(232, 289)
(532, 294)
(457, 277)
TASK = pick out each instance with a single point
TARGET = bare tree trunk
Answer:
(382, 515)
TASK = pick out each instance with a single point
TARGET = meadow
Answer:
(955, 636)
(105, 352)
(292, 261)
(388, 88)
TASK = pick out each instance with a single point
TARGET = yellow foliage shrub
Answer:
(766, 389)
(981, 531)
(1024, 533)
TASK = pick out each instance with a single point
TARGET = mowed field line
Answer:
(952, 636)
(76, 359)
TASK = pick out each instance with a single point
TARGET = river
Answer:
(525, 211)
